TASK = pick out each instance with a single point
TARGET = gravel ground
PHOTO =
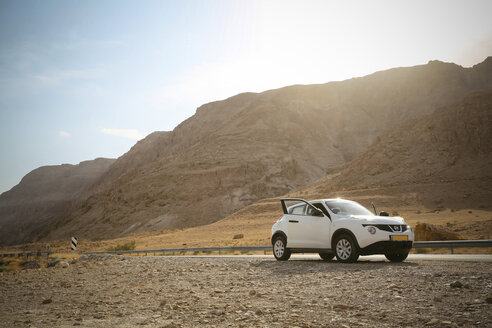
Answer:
(105, 291)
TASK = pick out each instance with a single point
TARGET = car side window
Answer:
(322, 208)
(310, 211)
(299, 210)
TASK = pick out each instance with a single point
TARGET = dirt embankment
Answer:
(103, 291)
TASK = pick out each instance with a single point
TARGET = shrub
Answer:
(130, 246)
(4, 267)
(10, 265)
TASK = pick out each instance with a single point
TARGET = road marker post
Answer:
(74, 243)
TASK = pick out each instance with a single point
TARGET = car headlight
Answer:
(371, 229)
(409, 228)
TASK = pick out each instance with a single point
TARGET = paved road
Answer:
(374, 258)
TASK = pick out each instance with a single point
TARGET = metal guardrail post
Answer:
(452, 243)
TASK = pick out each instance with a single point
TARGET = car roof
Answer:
(331, 200)
(325, 200)
(321, 201)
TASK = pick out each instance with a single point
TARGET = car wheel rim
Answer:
(279, 248)
(344, 249)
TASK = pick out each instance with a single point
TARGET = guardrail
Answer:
(28, 254)
(450, 244)
(220, 249)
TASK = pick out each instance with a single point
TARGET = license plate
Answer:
(399, 237)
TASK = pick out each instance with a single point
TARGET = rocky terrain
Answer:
(28, 210)
(103, 291)
(234, 152)
(255, 146)
(449, 151)
(435, 169)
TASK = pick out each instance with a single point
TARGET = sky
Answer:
(87, 79)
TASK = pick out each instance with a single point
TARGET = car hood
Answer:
(372, 219)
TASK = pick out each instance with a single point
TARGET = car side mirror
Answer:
(383, 213)
(318, 213)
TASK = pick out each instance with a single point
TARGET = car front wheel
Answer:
(280, 250)
(346, 249)
(397, 257)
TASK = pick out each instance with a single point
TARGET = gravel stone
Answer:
(456, 284)
(185, 292)
(432, 322)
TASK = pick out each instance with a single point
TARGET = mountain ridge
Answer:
(44, 193)
(233, 152)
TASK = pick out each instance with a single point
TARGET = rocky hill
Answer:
(234, 152)
(447, 154)
(435, 169)
(27, 210)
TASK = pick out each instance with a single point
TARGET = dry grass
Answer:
(129, 246)
(11, 264)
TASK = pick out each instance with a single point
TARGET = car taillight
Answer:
(277, 220)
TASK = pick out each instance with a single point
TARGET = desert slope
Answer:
(234, 152)
(251, 146)
(28, 209)
(436, 169)
(453, 145)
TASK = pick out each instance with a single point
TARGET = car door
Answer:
(314, 230)
(295, 218)
(324, 231)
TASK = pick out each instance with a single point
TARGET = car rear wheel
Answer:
(397, 257)
(280, 251)
(346, 249)
(327, 256)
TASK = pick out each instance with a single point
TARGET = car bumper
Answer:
(387, 247)
(367, 240)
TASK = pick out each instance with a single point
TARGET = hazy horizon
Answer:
(85, 80)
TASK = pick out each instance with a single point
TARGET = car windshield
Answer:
(347, 208)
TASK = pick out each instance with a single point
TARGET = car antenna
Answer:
(375, 209)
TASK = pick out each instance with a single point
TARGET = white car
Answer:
(341, 228)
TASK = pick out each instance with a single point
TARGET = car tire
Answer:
(280, 250)
(397, 257)
(327, 256)
(346, 249)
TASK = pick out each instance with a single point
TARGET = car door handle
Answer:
(293, 221)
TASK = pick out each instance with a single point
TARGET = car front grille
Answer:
(389, 227)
